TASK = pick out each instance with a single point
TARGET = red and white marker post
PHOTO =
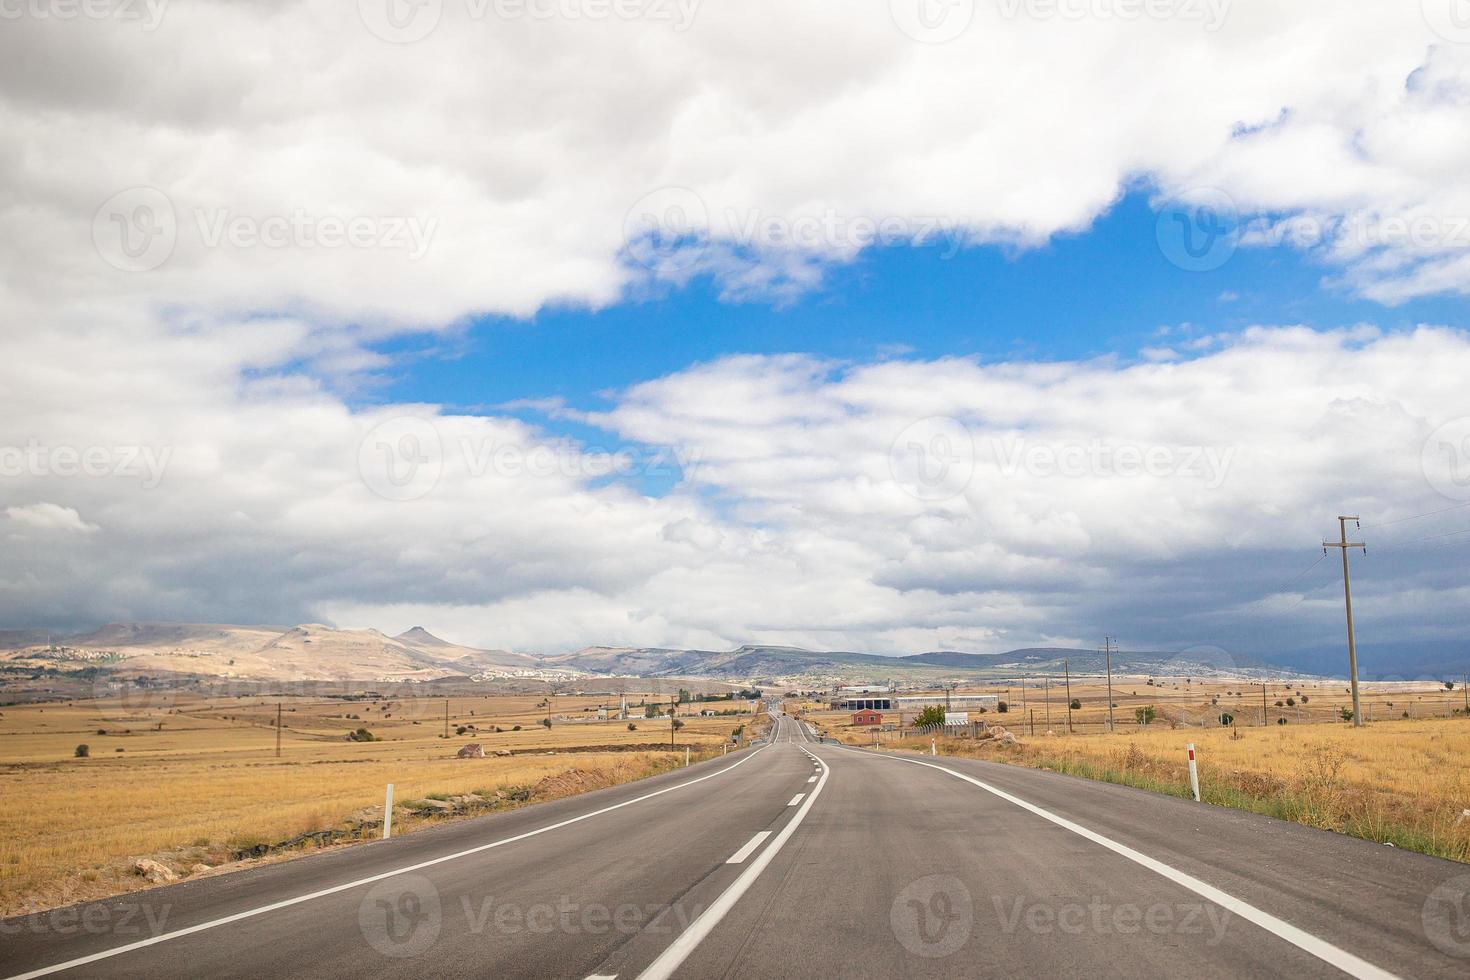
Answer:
(1193, 773)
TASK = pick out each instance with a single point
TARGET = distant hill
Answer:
(269, 653)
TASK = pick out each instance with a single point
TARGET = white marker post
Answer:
(686, 757)
(388, 813)
(1193, 773)
(933, 746)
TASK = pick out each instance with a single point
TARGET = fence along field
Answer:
(197, 781)
(1401, 779)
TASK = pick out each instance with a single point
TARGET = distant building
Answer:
(867, 717)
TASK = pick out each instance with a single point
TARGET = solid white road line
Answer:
(673, 957)
(287, 903)
(739, 856)
(796, 799)
(1320, 948)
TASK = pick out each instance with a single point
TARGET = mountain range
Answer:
(318, 652)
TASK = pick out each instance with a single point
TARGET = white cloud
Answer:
(50, 517)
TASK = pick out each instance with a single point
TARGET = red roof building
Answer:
(867, 717)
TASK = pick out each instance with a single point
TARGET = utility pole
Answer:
(673, 717)
(278, 729)
(446, 717)
(1067, 666)
(1023, 696)
(1046, 700)
(1108, 651)
(1347, 598)
(1264, 720)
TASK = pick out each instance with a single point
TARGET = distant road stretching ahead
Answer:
(800, 859)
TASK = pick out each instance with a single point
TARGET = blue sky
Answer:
(1105, 291)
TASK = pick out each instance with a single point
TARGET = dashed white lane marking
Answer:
(1300, 938)
(796, 799)
(286, 903)
(673, 957)
(811, 779)
(739, 856)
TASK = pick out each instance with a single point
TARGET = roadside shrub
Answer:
(361, 735)
(1076, 704)
(82, 751)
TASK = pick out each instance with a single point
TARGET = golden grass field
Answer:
(1396, 780)
(196, 780)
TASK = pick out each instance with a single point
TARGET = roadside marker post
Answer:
(388, 813)
(686, 757)
(933, 746)
(1193, 773)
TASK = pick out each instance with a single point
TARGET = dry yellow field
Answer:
(1400, 781)
(198, 780)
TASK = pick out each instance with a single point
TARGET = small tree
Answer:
(1226, 720)
(83, 750)
(1145, 715)
(677, 724)
(651, 711)
(932, 714)
(1076, 704)
(1347, 713)
(546, 722)
(1002, 707)
(1449, 685)
(632, 727)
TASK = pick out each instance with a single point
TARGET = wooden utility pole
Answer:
(673, 717)
(1347, 598)
(446, 717)
(1108, 651)
(1264, 720)
(1046, 700)
(1067, 667)
(1023, 697)
(278, 729)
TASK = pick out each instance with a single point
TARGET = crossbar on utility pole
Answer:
(1347, 598)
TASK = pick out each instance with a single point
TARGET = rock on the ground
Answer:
(472, 751)
(199, 869)
(157, 873)
(435, 806)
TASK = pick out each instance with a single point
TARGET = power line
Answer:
(1415, 517)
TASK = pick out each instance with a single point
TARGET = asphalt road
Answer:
(800, 859)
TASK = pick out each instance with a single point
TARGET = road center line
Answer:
(811, 779)
(673, 957)
(1300, 938)
(739, 856)
(286, 903)
(796, 799)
